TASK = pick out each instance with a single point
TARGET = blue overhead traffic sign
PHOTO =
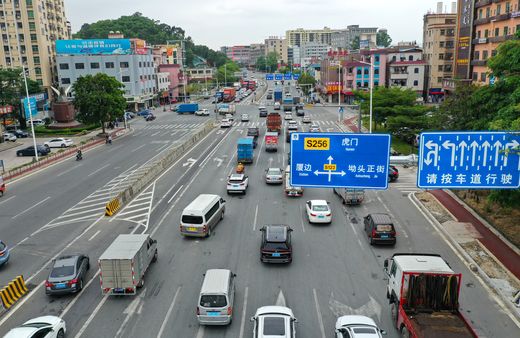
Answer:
(278, 76)
(269, 77)
(296, 77)
(287, 76)
(469, 160)
(347, 160)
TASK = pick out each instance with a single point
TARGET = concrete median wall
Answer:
(159, 166)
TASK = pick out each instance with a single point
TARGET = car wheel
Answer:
(405, 333)
(80, 284)
(88, 264)
(18, 154)
(371, 241)
(222, 215)
(245, 191)
(393, 312)
(209, 232)
(63, 145)
(141, 283)
(39, 153)
(61, 334)
(155, 256)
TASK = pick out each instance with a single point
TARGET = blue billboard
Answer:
(94, 46)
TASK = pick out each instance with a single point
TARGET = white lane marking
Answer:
(168, 313)
(80, 213)
(8, 199)
(256, 215)
(94, 235)
(200, 332)
(68, 170)
(244, 308)
(69, 306)
(91, 317)
(136, 149)
(396, 222)
(130, 310)
(175, 194)
(98, 170)
(318, 312)
(230, 159)
(155, 133)
(301, 218)
(260, 152)
(31, 207)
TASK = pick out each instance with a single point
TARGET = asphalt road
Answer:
(335, 271)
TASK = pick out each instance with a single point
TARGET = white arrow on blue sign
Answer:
(469, 160)
(278, 77)
(326, 160)
(287, 76)
(269, 77)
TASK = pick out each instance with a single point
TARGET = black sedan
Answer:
(29, 151)
(20, 133)
(67, 274)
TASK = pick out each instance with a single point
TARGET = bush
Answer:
(42, 130)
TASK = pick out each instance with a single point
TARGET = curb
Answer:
(469, 262)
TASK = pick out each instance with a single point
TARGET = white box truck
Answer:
(124, 263)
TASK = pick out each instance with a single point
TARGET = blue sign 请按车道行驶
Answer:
(327, 160)
(93, 46)
(287, 76)
(278, 76)
(269, 77)
(296, 77)
(469, 160)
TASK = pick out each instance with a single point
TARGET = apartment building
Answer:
(314, 50)
(342, 38)
(239, 54)
(300, 36)
(439, 47)
(277, 45)
(406, 68)
(495, 21)
(256, 50)
(29, 29)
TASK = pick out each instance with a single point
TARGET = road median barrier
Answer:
(112, 207)
(15, 290)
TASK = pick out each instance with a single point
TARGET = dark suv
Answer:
(393, 173)
(380, 229)
(276, 244)
(67, 274)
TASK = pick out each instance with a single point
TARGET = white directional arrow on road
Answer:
(190, 162)
(218, 160)
(280, 301)
(220, 131)
(370, 309)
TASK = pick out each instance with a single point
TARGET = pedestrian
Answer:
(109, 139)
(117, 124)
(106, 138)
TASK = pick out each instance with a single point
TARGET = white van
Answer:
(215, 305)
(202, 215)
(36, 122)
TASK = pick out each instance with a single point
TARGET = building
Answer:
(175, 78)
(342, 38)
(314, 50)
(256, 50)
(294, 56)
(239, 54)
(300, 36)
(439, 48)
(29, 29)
(494, 22)
(406, 68)
(163, 85)
(200, 74)
(277, 45)
(126, 60)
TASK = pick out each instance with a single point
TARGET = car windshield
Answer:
(320, 208)
(191, 219)
(276, 246)
(274, 172)
(213, 301)
(62, 271)
(368, 330)
(36, 325)
(384, 227)
(235, 180)
(274, 326)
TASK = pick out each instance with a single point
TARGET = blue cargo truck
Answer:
(278, 95)
(245, 150)
(287, 104)
(189, 108)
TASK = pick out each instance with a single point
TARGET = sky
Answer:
(217, 23)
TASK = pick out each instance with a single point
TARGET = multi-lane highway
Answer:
(334, 271)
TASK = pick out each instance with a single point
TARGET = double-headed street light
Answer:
(371, 64)
(28, 106)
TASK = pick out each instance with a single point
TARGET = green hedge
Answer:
(43, 130)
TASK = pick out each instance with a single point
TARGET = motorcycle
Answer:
(79, 156)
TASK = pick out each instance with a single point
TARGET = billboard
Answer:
(463, 48)
(94, 46)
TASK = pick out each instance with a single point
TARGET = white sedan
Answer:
(318, 211)
(225, 123)
(274, 321)
(306, 119)
(357, 326)
(244, 118)
(59, 143)
(202, 112)
(46, 326)
(9, 137)
(288, 116)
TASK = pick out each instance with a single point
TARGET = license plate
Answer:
(235, 185)
(321, 216)
(276, 254)
(192, 229)
(384, 236)
(61, 286)
(119, 290)
(213, 314)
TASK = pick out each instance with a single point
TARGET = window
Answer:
(394, 58)
(376, 83)
(439, 79)
(34, 38)
(484, 55)
(488, 12)
(410, 58)
(478, 35)
(211, 212)
(443, 32)
(35, 49)
(376, 71)
(441, 44)
(480, 12)
(441, 56)
(359, 71)
(508, 7)
(440, 68)
(65, 80)
(140, 64)
(36, 59)
(94, 65)
(30, 14)
(499, 9)
(365, 71)
(28, 2)
(79, 65)
(64, 66)
(358, 84)
(475, 77)
(497, 31)
(493, 52)
(486, 33)
(109, 65)
(476, 55)
(506, 31)
(416, 70)
(393, 269)
(415, 83)
(125, 78)
(123, 65)
(483, 77)
(377, 58)
(32, 25)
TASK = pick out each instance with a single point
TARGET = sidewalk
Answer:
(505, 254)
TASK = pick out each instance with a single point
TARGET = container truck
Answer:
(271, 141)
(278, 95)
(350, 196)
(189, 108)
(245, 150)
(123, 264)
(287, 104)
(274, 122)
(423, 292)
(289, 189)
(226, 108)
(229, 94)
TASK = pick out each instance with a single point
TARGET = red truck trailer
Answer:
(274, 122)
(229, 94)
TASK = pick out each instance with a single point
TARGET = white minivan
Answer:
(36, 122)
(202, 215)
(215, 306)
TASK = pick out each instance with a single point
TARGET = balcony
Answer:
(481, 63)
(482, 3)
(479, 41)
(501, 17)
(481, 21)
(497, 39)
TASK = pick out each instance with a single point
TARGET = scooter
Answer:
(79, 156)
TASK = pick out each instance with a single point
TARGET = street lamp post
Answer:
(30, 111)
(225, 75)
(371, 64)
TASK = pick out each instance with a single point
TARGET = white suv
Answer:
(274, 321)
(237, 183)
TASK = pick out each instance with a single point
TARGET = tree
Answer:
(226, 73)
(507, 60)
(99, 99)
(383, 39)
(306, 82)
(261, 63)
(355, 43)
(272, 61)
